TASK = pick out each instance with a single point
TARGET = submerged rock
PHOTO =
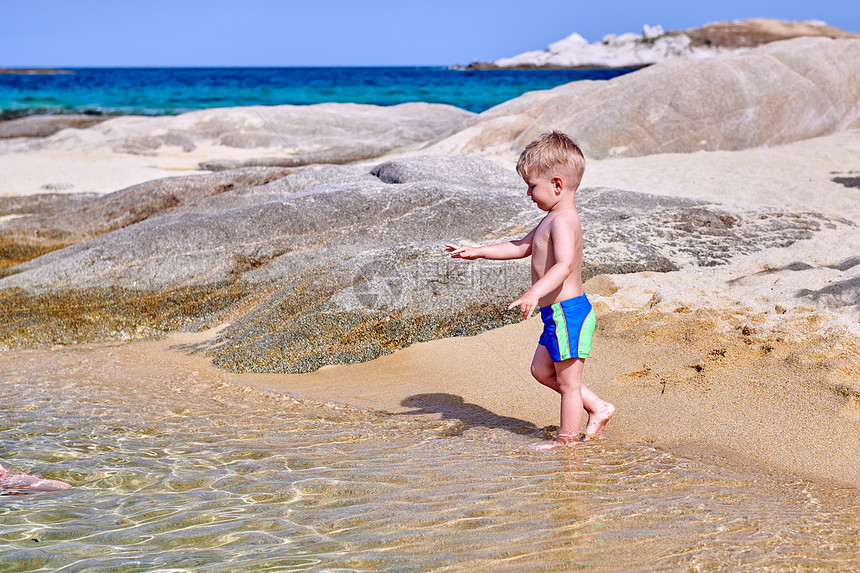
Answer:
(339, 264)
(23, 483)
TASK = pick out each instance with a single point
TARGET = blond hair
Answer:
(553, 151)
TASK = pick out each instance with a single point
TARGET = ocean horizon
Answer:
(170, 91)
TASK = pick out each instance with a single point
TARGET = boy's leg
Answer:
(569, 377)
(544, 371)
(599, 411)
(543, 368)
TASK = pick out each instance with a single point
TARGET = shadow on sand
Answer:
(453, 407)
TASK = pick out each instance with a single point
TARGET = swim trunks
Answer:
(567, 328)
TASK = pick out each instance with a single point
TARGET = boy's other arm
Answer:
(565, 242)
(498, 252)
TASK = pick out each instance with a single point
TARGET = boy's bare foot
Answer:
(597, 422)
(559, 441)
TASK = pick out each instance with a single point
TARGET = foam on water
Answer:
(209, 476)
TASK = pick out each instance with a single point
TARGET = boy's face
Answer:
(544, 189)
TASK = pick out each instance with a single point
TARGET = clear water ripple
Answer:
(218, 478)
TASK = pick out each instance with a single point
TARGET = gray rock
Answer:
(648, 232)
(60, 220)
(338, 264)
(45, 125)
(779, 93)
(301, 135)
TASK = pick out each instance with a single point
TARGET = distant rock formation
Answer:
(654, 45)
(758, 31)
(336, 264)
(35, 71)
(776, 93)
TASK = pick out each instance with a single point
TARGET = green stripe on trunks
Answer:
(588, 326)
(561, 331)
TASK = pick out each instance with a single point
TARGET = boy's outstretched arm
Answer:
(499, 252)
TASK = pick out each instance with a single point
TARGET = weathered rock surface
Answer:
(45, 125)
(654, 45)
(338, 264)
(323, 133)
(777, 93)
(56, 220)
(758, 31)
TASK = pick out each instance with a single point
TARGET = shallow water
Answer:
(207, 476)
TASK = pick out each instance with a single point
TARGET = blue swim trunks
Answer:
(567, 328)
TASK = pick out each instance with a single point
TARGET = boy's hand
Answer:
(461, 252)
(527, 303)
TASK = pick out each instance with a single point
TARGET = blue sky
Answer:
(348, 33)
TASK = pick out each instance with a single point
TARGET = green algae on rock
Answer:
(13, 253)
(78, 316)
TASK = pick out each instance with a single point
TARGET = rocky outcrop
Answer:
(758, 31)
(45, 125)
(47, 222)
(654, 45)
(297, 135)
(338, 264)
(778, 93)
(35, 71)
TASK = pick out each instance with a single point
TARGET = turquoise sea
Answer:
(162, 91)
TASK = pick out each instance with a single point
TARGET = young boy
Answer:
(552, 167)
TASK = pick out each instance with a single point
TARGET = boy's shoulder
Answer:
(563, 217)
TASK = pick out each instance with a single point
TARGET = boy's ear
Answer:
(557, 183)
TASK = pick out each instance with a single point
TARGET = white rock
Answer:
(613, 51)
(651, 32)
(655, 45)
(572, 42)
